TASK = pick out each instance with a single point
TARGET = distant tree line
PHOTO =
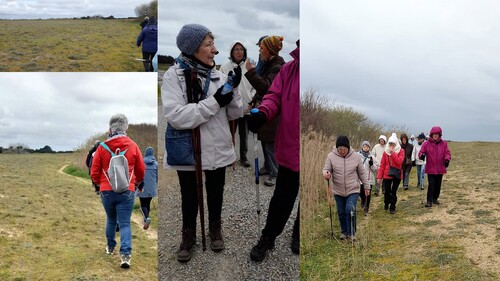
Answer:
(97, 17)
(148, 9)
(24, 149)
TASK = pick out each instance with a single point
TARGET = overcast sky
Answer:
(243, 20)
(416, 63)
(62, 110)
(34, 9)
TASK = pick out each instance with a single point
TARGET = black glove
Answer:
(140, 186)
(413, 163)
(422, 157)
(371, 161)
(237, 76)
(255, 121)
(446, 163)
(221, 99)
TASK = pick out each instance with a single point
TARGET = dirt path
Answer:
(150, 233)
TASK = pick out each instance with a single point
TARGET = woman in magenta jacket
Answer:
(438, 156)
(393, 156)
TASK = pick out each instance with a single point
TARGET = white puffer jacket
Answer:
(216, 144)
(246, 90)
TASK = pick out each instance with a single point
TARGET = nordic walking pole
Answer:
(329, 204)
(256, 164)
(190, 77)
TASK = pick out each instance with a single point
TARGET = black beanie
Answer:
(342, 141)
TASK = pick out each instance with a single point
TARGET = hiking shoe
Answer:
(109, 250)
(436, 202)
(259, 251)
(428, 205)
(216, 241)
(343, 236)
(146, 223)
(406, 187)
(386, 207)
(392, 212)
(422, 188)
(263, 171)
(351, 238)
(245, 163)
(186, 249)
(125, 263)
(270, 181)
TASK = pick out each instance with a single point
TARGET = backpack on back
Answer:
(117, 175)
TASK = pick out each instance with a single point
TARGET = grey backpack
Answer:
(117, 175)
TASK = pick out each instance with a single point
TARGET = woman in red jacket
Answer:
(393, 156)
(118, 206)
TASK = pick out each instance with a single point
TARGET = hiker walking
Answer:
(283, 98)
(345, 168)
(418, 162)
(149, 40)
(377, 152)
(437, 155)
(237, 58)
(88, 162)
(118, 206)
(408, 148)
(261, 79)
(370, 164)
(150, 185)
(144, 23)
(390, 172)
(195, 75)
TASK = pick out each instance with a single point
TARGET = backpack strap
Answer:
(105, 146)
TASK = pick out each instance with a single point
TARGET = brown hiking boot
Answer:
(186, 248)
(216, 241)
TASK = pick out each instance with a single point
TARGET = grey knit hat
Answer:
(190, 38)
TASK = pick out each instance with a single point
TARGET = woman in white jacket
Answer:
(195, 72)
(371, 165)
(237, 58)
(419, 163)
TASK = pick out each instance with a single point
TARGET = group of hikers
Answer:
(204, 106)
(141, 174)
(388, 164)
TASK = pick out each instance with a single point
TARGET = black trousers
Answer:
(281, 205)
(148, 63)
(214, 185)
(434, 187)
(145, 206)
(391, 190)
(241, 125)
(365, 200)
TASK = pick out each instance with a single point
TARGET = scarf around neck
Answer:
(188, 62)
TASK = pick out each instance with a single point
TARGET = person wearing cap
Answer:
(393, 156)
(345, 167)
(261, 80)
(149, 40)
(418, 162)
(194, 74)
(283, 100)
(408, 148)
(370, 164)
(377, 152)
(144, 23)
(437, 155)
(238, 55)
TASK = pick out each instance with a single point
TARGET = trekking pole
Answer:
(191, 77)
(353, 231)
(330, 205)
(256, 164)
(199, 182)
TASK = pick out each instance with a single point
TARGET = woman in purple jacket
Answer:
(282, 99)
(438, 158)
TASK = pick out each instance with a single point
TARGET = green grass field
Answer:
(67, 45)
(457, 240)
(52, 226)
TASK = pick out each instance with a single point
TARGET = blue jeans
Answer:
(420, 175)
(346, 205)
(118, 207)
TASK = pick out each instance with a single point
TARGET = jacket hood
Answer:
(231, 50)
(393, 139)
(436, 130)
(149, 156)
(383, 137)
(295, 53)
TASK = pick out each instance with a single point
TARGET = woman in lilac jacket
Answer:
(438, 156)
(283, 99)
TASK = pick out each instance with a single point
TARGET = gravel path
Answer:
(240, 233)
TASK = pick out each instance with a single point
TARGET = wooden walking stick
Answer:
(191, 77)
